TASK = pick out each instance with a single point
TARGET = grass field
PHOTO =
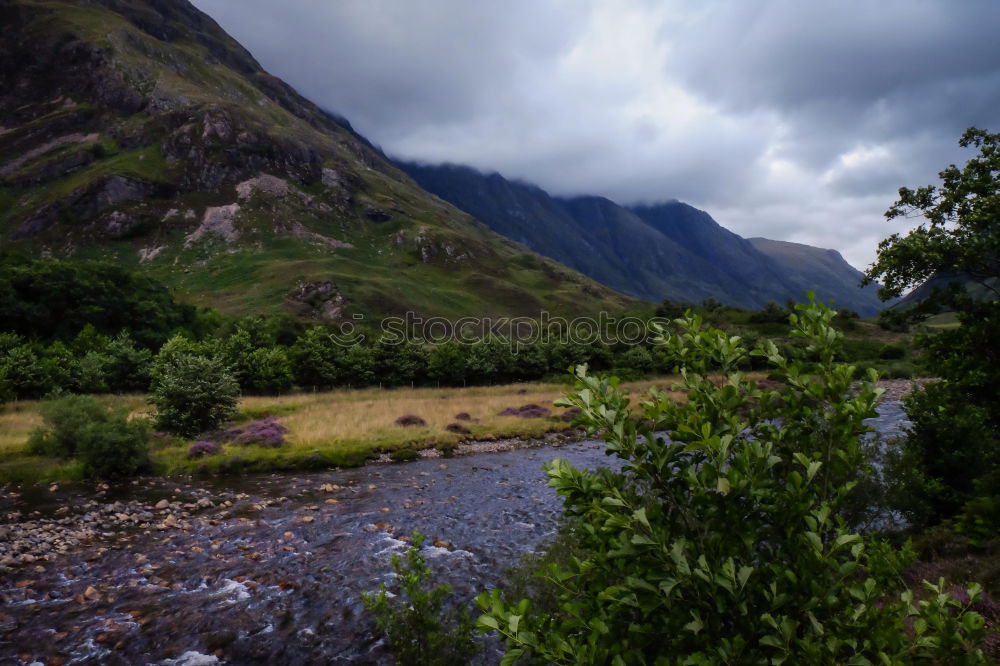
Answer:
(344, 428)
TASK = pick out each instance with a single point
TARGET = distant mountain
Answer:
(835, 278)
(654, 252)
(139, 131)
(942, 280)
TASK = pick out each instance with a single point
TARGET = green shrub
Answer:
(417, 626)
(64, 421)
(892, 351)
(109, 445)
(404, 455)
(638, 359)
(116, 448)
(980, 520)
(725, 542)
(192, 393)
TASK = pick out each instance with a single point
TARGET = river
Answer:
(265, 569)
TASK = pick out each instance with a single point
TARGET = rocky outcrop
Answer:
(85, 202)
(219, 222)
(321, 299)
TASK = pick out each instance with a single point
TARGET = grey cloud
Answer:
(788, 119)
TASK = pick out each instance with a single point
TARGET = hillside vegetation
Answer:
(140, 132)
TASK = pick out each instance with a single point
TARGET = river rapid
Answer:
(265, 569)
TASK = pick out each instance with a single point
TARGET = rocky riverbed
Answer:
(265, 569)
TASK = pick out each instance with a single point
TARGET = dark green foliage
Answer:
(954, 445)
(55, 300)
(980, 519)
(400, 364)
(65, 418)
(192, 392)
(949, 448)
(267, 371)
(638, 359)
(404, 455)
(892, 351)
(446, 363)
(115, 448)
(714, 547)
(314, 358)
(771, 314)
(670, 310)
(107, 442)
(358, 366)
(417, 624)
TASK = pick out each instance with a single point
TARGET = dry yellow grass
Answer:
(368, 416)
(17, 420)
(335, 428)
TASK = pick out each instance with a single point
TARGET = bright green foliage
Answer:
(953, 453)
(193, 393)
(725, 544)
(110, 445)
(417, 626)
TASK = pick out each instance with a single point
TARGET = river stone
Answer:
(162, 504)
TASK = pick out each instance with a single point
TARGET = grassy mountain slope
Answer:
(137, 130)
(833, 277)
(669, 250)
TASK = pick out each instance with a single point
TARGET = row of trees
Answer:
(251, 349)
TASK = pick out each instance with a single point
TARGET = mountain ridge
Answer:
(669, 250)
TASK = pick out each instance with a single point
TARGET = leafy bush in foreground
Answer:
(725, 543)
(417, 627)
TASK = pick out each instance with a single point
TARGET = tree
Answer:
(268, 371)
(724, 542)
(314, 359)
(953, 452)
(193, 393)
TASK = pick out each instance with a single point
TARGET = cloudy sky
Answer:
(787, 119)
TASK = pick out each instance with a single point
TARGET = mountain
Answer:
(654, 252)
(139, 131)
(813, 265)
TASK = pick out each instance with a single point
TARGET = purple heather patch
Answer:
(266, 432)
(203, 448)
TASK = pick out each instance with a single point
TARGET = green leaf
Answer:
(488, 622)
(640, 515)
(511, 656)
